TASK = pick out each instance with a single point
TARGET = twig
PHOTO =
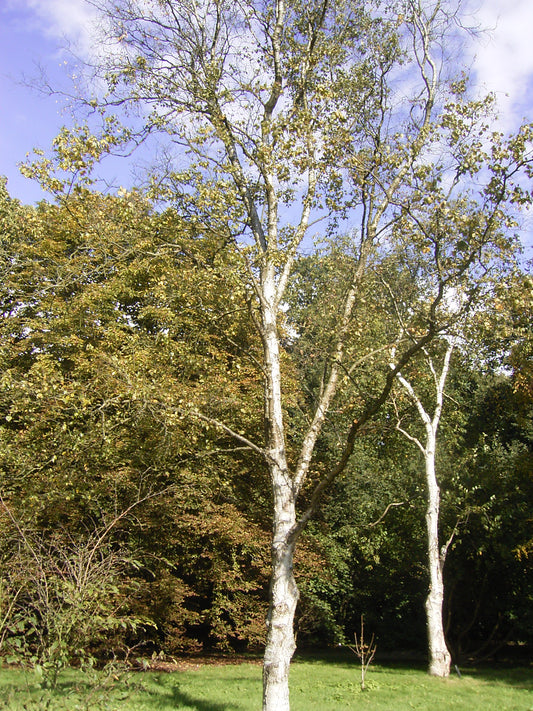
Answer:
(393, 503)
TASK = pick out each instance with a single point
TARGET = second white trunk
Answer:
(439, 656)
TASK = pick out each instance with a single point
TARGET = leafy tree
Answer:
(287, 112)
(489, 572)
(378, 560)
(371, 527)
(371, 532)
(112, 315)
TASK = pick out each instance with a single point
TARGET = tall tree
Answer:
(289, 112)
(439, 656)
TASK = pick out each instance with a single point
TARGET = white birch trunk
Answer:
(439, 656)
(284, 595)
(280, 643)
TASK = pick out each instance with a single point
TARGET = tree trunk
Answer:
(439, 656)
(284, 595)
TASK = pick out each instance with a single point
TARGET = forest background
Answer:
(158, 526)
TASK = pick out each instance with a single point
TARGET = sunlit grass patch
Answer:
(316, 685)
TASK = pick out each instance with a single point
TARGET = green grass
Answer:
(315, 686)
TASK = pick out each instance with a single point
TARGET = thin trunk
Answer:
(439, 656)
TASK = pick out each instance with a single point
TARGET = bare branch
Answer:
(389, 507)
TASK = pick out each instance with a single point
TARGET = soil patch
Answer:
(194, 663)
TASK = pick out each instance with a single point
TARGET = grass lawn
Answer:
(319, 685)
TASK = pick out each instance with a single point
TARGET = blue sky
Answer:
(33, 33)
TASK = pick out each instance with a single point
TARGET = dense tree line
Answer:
(128, 514)
(105, 348)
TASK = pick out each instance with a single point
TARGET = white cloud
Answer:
(503, 55)
(72, 21)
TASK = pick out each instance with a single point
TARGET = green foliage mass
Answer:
(376, 555)
(118, 323)
(131, 525)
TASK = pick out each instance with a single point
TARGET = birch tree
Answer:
(439, 656)
(277, 116)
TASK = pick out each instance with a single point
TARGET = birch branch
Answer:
(389, 507)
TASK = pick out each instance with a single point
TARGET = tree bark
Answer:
(284, 595)
(280, 644)
(439, 656)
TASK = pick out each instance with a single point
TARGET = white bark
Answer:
(439, 655)
(284, 595)
(280, 643)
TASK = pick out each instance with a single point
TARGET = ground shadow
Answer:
(517, 673)
(175, 698)
(518, 676)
